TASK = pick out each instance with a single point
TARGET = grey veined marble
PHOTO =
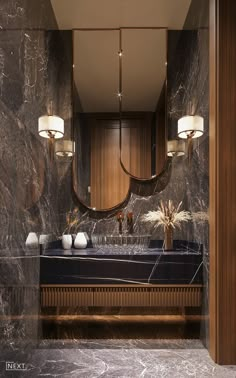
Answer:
(123, 359)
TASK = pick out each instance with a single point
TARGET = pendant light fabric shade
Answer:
(51, 126)
(175, 147)
(65, 148)
(190, 126)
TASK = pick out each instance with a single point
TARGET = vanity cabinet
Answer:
(90, 278)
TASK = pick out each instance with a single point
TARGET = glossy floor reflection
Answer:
(122, 359)
(117, 326)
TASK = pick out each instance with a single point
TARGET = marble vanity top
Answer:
(93, 252)
(114, 265)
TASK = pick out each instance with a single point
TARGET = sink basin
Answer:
(121, 242)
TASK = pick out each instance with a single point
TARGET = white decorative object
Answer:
(67, 241)
(51, 126)
(44, 238)
(175, 147)
(64, 148)
(32, 240)
(80, 240)
(190, 126)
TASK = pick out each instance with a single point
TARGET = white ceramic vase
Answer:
(80, 241)
(32, 240)
(67, 241)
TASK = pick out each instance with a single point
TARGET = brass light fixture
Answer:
(175, 147)
(65, 148)
(190, 127)
(51, 126)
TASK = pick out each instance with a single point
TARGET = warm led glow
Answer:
(119, 94)
(175, 148)
(65, 148)
(120, 53)
(51, 127)
(190, 127)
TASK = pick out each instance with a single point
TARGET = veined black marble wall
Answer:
(36, 194)
(35, 68)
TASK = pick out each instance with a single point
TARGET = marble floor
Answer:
(118, 359)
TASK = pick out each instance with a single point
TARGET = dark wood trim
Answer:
(122, 286)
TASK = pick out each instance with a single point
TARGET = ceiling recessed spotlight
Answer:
(120, 53)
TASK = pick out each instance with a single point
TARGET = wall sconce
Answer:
(190, 127)
(175, 147)
(65, 148)
(51, 126)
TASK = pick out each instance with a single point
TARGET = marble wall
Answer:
(36, 193)
(35, 68)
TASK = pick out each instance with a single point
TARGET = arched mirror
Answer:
(143, 119)
(110, 145)
(99, 179)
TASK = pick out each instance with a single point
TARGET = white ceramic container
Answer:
(80, 241)
(32, 240)
(67, 241)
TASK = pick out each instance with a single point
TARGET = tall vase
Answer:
(168, 238)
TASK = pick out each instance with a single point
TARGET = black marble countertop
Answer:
(93, 252)
(116, 265)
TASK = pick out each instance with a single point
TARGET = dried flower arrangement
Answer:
(72, 220)
(169, 216)
(200, 217)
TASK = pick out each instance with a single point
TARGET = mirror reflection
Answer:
(143, 126)
(117, 136)
(100, 180)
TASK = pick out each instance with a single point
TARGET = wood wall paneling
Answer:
(136, 146)
(109, 183)
(223, 181)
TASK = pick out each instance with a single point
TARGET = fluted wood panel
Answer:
(115, 296)
(66, 296)
(176, 296)
(223, 181)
